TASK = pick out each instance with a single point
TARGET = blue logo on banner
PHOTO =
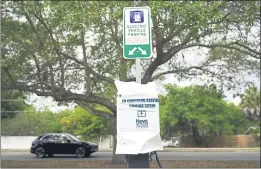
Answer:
(141, 123)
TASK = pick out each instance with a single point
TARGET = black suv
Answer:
(61, 143)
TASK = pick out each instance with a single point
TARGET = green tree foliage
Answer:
(23, 124)
(49, 51)
(77, 122)
(250, 102)
(82, 123)
(199, 110)
(50, 121)
(12, 102)
(32, 122)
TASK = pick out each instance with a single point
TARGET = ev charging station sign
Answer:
(138, 124)
(137, 41)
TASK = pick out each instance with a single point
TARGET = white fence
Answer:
(24, 142)
(16, 142)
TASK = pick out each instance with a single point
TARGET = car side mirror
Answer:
(68, 140)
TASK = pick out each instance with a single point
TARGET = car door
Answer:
(63, 145)
(57, 144)
(47, 142)
(69, 145)
(72, 145)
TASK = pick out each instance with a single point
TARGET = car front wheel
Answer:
(80, 152)
(40, 152)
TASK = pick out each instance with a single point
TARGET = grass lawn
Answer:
(107, 164)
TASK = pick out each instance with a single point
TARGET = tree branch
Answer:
(60, 94)
(173, 50)
(52, 76)
(158, 39)
(184, 26)
(95, 111)
(62, 72)
(101, 77)
(175, 71)
(87, 73)
(228, 46)
(31, 24)
(37, 68)
(7, 72)
(248, 48)
(113, 26)
(161, 59)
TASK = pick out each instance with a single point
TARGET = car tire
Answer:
(80, 152)
(40, 152)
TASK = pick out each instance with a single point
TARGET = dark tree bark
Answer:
(116, 158)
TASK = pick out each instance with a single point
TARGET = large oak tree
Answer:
(72, 51)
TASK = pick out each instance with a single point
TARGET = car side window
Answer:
(48, 137)
(66, 138)
(57, 137)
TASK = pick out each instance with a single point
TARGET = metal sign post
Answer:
(140, 160)
(137, 44)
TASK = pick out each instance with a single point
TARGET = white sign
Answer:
(138, 125)
(137, 42)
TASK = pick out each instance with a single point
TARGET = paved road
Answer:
(229, 156)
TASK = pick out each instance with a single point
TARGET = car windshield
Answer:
(73, 137)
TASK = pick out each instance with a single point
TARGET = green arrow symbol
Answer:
(143, 52)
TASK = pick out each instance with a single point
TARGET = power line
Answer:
(18, 111)
(11, 100)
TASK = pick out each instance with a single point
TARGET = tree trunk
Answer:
(116, 158)
(196, 136)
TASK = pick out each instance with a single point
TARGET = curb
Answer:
(170, 150)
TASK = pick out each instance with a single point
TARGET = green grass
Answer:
(107, 164)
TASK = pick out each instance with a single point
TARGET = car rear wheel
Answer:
(80, 152)
(40, 152)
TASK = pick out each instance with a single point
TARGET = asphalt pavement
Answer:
(227, 156)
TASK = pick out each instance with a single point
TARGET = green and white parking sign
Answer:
(137, 41)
